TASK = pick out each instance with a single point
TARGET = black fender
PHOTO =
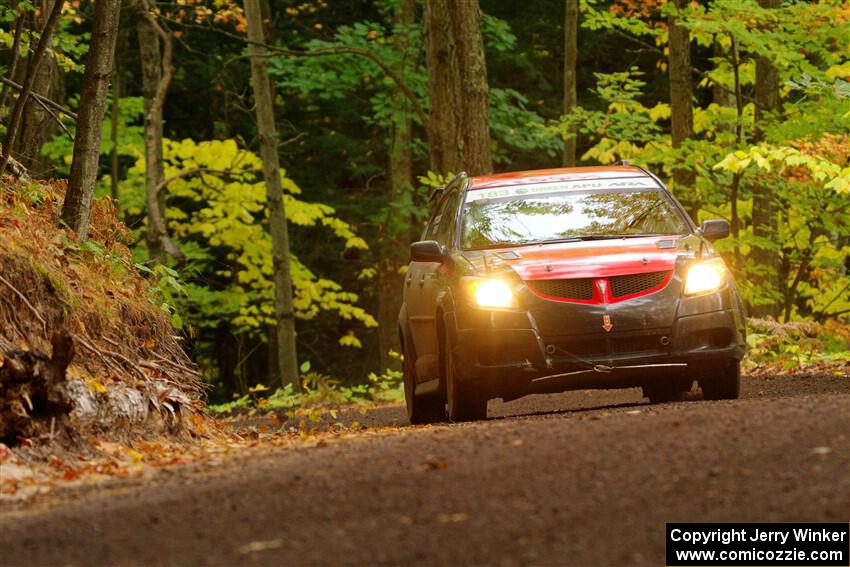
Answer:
(447, 329)
(404, 332)
(446, 306)
(408, 345)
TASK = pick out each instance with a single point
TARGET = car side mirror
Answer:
(714, 229)
(427, 251)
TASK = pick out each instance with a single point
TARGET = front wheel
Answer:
(420, 409)
(665, 391)
(464, 403)
(724, 384)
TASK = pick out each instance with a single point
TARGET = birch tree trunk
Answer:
(459, 125)
(77, 206)
(570, 64)
(681, 106)
(284, 315)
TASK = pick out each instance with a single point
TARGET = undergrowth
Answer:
(799, 346)
(319, 389)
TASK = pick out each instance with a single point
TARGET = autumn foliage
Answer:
(123, 368)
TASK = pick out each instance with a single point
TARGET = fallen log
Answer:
(32, 388)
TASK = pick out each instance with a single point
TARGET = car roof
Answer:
(559, 174)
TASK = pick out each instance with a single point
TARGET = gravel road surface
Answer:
(583, 478)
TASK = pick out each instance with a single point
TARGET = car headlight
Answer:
(705, 277)
(492, 293)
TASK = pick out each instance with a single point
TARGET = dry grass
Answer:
(50, 284)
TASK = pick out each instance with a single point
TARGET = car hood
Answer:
(591, 259)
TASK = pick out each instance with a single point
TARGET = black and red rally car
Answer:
(551, 280)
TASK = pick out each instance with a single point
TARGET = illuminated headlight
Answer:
(492, 293)
(706, 276)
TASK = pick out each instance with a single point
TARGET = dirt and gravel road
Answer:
(573, 479)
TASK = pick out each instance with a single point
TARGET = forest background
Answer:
(743, 107)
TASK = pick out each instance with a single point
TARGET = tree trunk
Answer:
(77, 206)
(226, 357)
(764, 209)
(157, 71)
(396, 230)
(459, 125)
(115, 111)
(29, 80)
(274, 367)
(13, 63)
(268, 24)
(151, 59)
(570, 64)
(113, 134)
(739, 142)
(720, 95)
(37, 126)
(682, 114)
(284, 314)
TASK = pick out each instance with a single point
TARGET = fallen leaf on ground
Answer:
(435, 464)
(256, 546)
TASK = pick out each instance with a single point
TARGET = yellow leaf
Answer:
(659, 112)
(96, 386)
(350, 340)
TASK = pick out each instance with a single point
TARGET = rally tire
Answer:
(725, 384)
(420, 409)
(463, 402)
(666, 391)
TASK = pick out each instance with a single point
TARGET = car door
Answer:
(421, 286)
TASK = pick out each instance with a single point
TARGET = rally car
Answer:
(551, 280)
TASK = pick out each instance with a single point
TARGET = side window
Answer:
(433, 228)
(449, 216)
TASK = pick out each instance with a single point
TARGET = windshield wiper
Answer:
(505, 244)
(616, 236)
(501, 244)
(554, 241)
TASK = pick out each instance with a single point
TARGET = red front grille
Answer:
(600, 290)
(635, 283)
(581, 288)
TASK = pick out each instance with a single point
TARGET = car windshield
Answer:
(547, 213)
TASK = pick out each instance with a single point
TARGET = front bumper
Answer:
(507, 355)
